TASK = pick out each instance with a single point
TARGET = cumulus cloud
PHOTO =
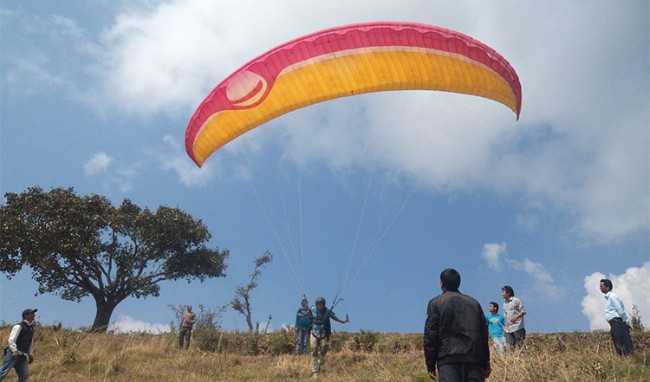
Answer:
(543, 280)
(632, 287)
(492, 253)
(97, 164)
(580, 146)
(127, 324)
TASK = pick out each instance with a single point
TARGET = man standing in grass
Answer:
(185, 332)
(496, 322)
(303, 326)
(321, 332)
(618, 319)
(18, 353)
(456, 335)
(514, 312)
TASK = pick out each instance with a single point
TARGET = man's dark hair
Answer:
(608, 283)
(450, 279)
(509, 290)
(495, 305)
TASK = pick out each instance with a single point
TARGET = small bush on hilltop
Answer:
(364, 341)
(635, 319)
(281, 341)
(207, 334)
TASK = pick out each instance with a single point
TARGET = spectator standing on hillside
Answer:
(456, 335)
(18, 353)
(185, 332)
(303, 326)
(496, 322)
(514, 312)
(618, 319)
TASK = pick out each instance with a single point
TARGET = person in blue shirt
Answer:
(303, 326)
(496, 322)
(321, 332)
(619, 321)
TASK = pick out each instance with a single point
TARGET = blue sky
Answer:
(97, 97)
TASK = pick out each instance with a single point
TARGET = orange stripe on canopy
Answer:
(346, 61)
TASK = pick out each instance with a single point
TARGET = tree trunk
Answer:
(103, 316)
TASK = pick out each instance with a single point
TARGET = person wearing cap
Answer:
(303, 326)
(321, 332)
(18, 353)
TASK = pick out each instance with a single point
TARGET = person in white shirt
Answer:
(18, 353)
(514, 312)
(618, 319)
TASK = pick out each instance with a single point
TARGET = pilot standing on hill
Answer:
(321, 332)
(456, 335)
(18, 353)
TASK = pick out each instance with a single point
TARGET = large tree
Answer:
(79, 246)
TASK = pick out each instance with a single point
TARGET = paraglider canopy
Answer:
(346, 61)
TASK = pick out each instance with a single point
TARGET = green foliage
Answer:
(78, 246)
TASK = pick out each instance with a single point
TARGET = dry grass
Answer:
(63, 355)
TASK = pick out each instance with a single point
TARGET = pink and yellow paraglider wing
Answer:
(346, 61)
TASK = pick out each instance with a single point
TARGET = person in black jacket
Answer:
(456, 335)
(18, 353)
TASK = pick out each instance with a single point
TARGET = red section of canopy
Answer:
(354, 36)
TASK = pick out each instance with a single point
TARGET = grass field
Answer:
(63, 355)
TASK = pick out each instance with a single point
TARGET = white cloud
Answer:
(97, 164)
(492, 253)
(32, 75)
(543, 280)
(124, 176)
(175, 159)
(632, 287)
(581, 145)
(42, 54)
(127, 324)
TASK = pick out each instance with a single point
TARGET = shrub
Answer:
(364, 341)
(281, 341)
(207, 333)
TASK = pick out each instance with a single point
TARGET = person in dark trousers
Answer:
(185, 332)
(321, 332)
(618, 319)
(304, 320)
(18, 353)
(456, 335)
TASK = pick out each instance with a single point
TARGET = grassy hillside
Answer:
(63, 355)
